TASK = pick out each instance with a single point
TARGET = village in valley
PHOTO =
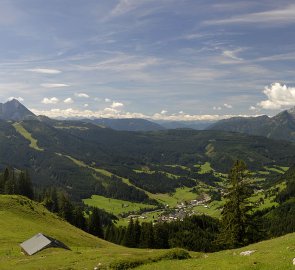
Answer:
(167, 214)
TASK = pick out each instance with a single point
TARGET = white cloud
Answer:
(163, 112)
(68, 101)
(116, 105)
(86, 105)
(125, 6)
(20, 99)
(252, 108)
(123, 63)
(278, 96)
(233, 54)
(284, 15)
(113, 113)
(215, 108)
(107, 100)
(81, 95)
(54, 85)
(52, 100)
(228, 106)
(44, 70)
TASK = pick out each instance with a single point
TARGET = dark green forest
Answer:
(240, 223)
(122, 152)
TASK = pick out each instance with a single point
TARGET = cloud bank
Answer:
(278, 96)
(52, 100)
(116, 113)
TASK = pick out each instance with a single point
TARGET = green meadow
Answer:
(28, 136)
(21, 218)
(115, 206)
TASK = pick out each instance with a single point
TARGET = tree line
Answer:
(16, 182)
(240, 223)
(196, 233)
(89, 219)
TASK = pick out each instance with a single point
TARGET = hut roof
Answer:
(40, 242)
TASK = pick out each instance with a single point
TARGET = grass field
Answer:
(20, 219)
(213, 209)
(204, 168)
(116, 206)
(276, 254)
(28, 136)
(180, 195)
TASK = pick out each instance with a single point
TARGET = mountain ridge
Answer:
(14, 110)
(279, 127)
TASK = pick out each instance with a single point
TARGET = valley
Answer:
(147, 135)
(171, 185)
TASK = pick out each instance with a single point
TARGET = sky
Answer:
(157, 59)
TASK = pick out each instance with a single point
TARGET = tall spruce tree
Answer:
(129, 238)
(147, 235)
(94, 223)
(25, 185)
(236, 219)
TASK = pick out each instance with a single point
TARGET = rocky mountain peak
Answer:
(15, 111)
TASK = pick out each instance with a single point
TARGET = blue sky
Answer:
(159, 59)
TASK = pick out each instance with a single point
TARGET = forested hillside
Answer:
(86, 159)
(279, 127)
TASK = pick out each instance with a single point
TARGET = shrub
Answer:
(174, 254)
(177, 254)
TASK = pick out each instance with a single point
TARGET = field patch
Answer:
(28, 136)
(116, 207)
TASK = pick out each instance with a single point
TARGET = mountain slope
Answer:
(14, 110)
(275, 254)
(197, 125)
(281, 126)
(86, 159)
(21, 218)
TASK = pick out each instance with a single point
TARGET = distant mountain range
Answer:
(197, 125)
(15, 111)
(85, 158)
(280, 127)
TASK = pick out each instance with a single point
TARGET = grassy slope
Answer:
(21, 218)
(276, 254)
(115, 206)
(33, 142)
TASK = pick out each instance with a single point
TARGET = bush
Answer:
(177, 254)
(126, 264)
(174, 254)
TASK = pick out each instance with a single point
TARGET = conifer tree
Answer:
(78, 219)
(147, 235)
(129, 238)
(137, 232)
(236, 211)
(94, 224)
(65, 207)
(25, 185)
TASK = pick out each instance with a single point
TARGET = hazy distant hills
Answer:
(129, 124)
(14, 110)
(136, 124)
(281, 126)
(197, 125)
